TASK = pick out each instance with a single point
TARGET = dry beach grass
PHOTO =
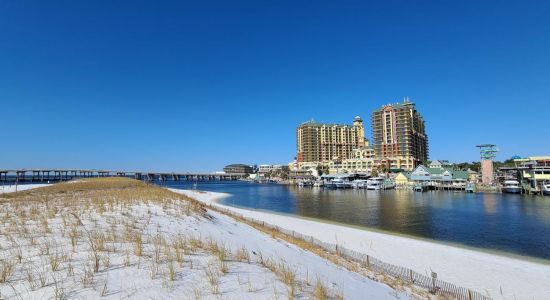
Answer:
(117, 237)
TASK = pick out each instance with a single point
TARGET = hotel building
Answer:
(321, 143)
(363, 160)
(399, 135)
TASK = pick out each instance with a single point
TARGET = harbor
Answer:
(500, 222)
(529, 176)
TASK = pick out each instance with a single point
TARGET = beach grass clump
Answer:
(320, 291)
(243, 255)
(6, 270)
(213, 277)
(67, 238)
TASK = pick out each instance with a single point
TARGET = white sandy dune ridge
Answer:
(87, 248)
(498, 276)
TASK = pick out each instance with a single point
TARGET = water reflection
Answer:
(489, 202)
(514, 223)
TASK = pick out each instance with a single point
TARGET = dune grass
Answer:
(64, 239)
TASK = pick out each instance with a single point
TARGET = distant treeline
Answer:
(476, 165)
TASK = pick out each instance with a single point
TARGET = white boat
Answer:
(304, 183)
(470, 187)
(420, 188)
(389, 184)
(359, 184)
(375, 183)
(319, 183)
(511, 187)
(546, 188)
(340, 183)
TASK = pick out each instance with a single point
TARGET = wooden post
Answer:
(434, 277)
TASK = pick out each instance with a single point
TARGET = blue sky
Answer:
(195, 85)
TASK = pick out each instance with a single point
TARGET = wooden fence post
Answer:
(434, 277)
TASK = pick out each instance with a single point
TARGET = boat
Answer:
(340, 183)
(375, 183)
(305, 183)
(420, 188)
(318, 183)
(546, 188)
(511, 187)
(389, 184)
(359, 184)
(470, 187)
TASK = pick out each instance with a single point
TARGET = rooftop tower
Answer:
(487, 154)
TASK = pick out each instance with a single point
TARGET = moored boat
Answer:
(420, 188)
(305, 184)
(340, 183)
(389, 184)
(359, 184)
(375, 183)
(511, 187)
(470, 187)
(546, 188)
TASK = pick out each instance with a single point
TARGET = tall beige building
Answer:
(318, 142)
(399, 135)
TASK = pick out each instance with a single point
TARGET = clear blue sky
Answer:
(195, 85)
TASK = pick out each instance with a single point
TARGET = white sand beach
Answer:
(19, 188)
(117, 239)
(501, 277)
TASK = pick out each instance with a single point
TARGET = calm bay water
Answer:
(505, 222)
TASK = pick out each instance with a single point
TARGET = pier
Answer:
(57, 175)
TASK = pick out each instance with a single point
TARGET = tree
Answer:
(283, 173)
(319, 170)
(383, 168)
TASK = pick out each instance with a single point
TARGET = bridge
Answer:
(56, 175)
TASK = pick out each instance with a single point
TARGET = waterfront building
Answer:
(301, 175)
(472, 175)
(321, 142)
(363, 160)
(438, 176)
(534, 167)
(436, 164)
(263, 169)
(403, 179)
(397, 163)
(238, 169)
(399, 134)
(293, 165)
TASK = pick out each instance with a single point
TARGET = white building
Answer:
(436, 164)
(361, 161)
(269, 168)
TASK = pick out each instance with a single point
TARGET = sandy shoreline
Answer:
(115, 238)
(4, 189)
(501, 277)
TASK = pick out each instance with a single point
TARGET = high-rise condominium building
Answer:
(317, 142)
(399, 135)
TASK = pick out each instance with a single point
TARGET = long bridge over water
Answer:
(55, 175)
